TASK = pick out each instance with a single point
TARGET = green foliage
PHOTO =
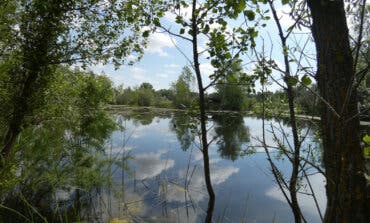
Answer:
(223, 46)
(275, 103)
(231, 90)
(125, 96)
(163, 98)
(231, 134)
(305, 80)
(37, 35)
(184, 127)
(63, 148)
(306, 101)
(291, 81)
(366, 140)
(182, 89)
(144, 95)
(146, 86)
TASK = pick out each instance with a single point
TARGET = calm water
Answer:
(162, 178)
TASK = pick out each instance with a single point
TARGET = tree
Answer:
(307, 104)
(145, 94)
(45, 33)
(146, 86)
(231, 92)
(293, 150)
(63, 148)
(347, 198)
(181, 89)
(202, 16)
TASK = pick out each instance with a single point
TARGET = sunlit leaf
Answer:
(306, 80)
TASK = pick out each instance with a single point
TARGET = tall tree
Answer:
(44, 33)
(145, 94)
(192, 30)
(347, 198)
(181, 89)
(231, 93)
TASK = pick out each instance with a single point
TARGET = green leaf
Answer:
(206, 29)
(285, 50)
(291, 81)
(190, 32)
(240, 6)
(156, 22)
(250, 14)
(366, 139)
(284, 2)
(306, 80)
(367, 151)
(182, 31)
(178, 19)
(146, 33)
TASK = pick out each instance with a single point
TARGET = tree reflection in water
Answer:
(183, 125)
(230, 131)
(231, 134)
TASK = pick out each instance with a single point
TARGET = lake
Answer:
(158, 175)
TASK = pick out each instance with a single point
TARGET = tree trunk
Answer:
(343, 158)
(207, 175)
(295, 159)
(9, 142)
(298, 216)
(31, 75)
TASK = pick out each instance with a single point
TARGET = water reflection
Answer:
(142, 118)
(56, 166)
(185, 130)
(183, 126)
(159, 177)
(232, 134)
(305, 200)
(148, 165)
(179, 186)
(196, 187)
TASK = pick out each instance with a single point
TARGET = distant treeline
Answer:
(228, 96)
(146, 95)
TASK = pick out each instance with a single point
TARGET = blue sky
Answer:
(162, 61)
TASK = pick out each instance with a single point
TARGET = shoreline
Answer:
(131, 109)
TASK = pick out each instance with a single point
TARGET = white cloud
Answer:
(206, 69)
(148, 165)
(137, 70)
(162, 75)
(172, 65)
(139, 74)
(158, 42)
(127, 75)
(285, 19)
(305, 201)
(221, 174)
(197, 189)
(202, 49)
(184, 12)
